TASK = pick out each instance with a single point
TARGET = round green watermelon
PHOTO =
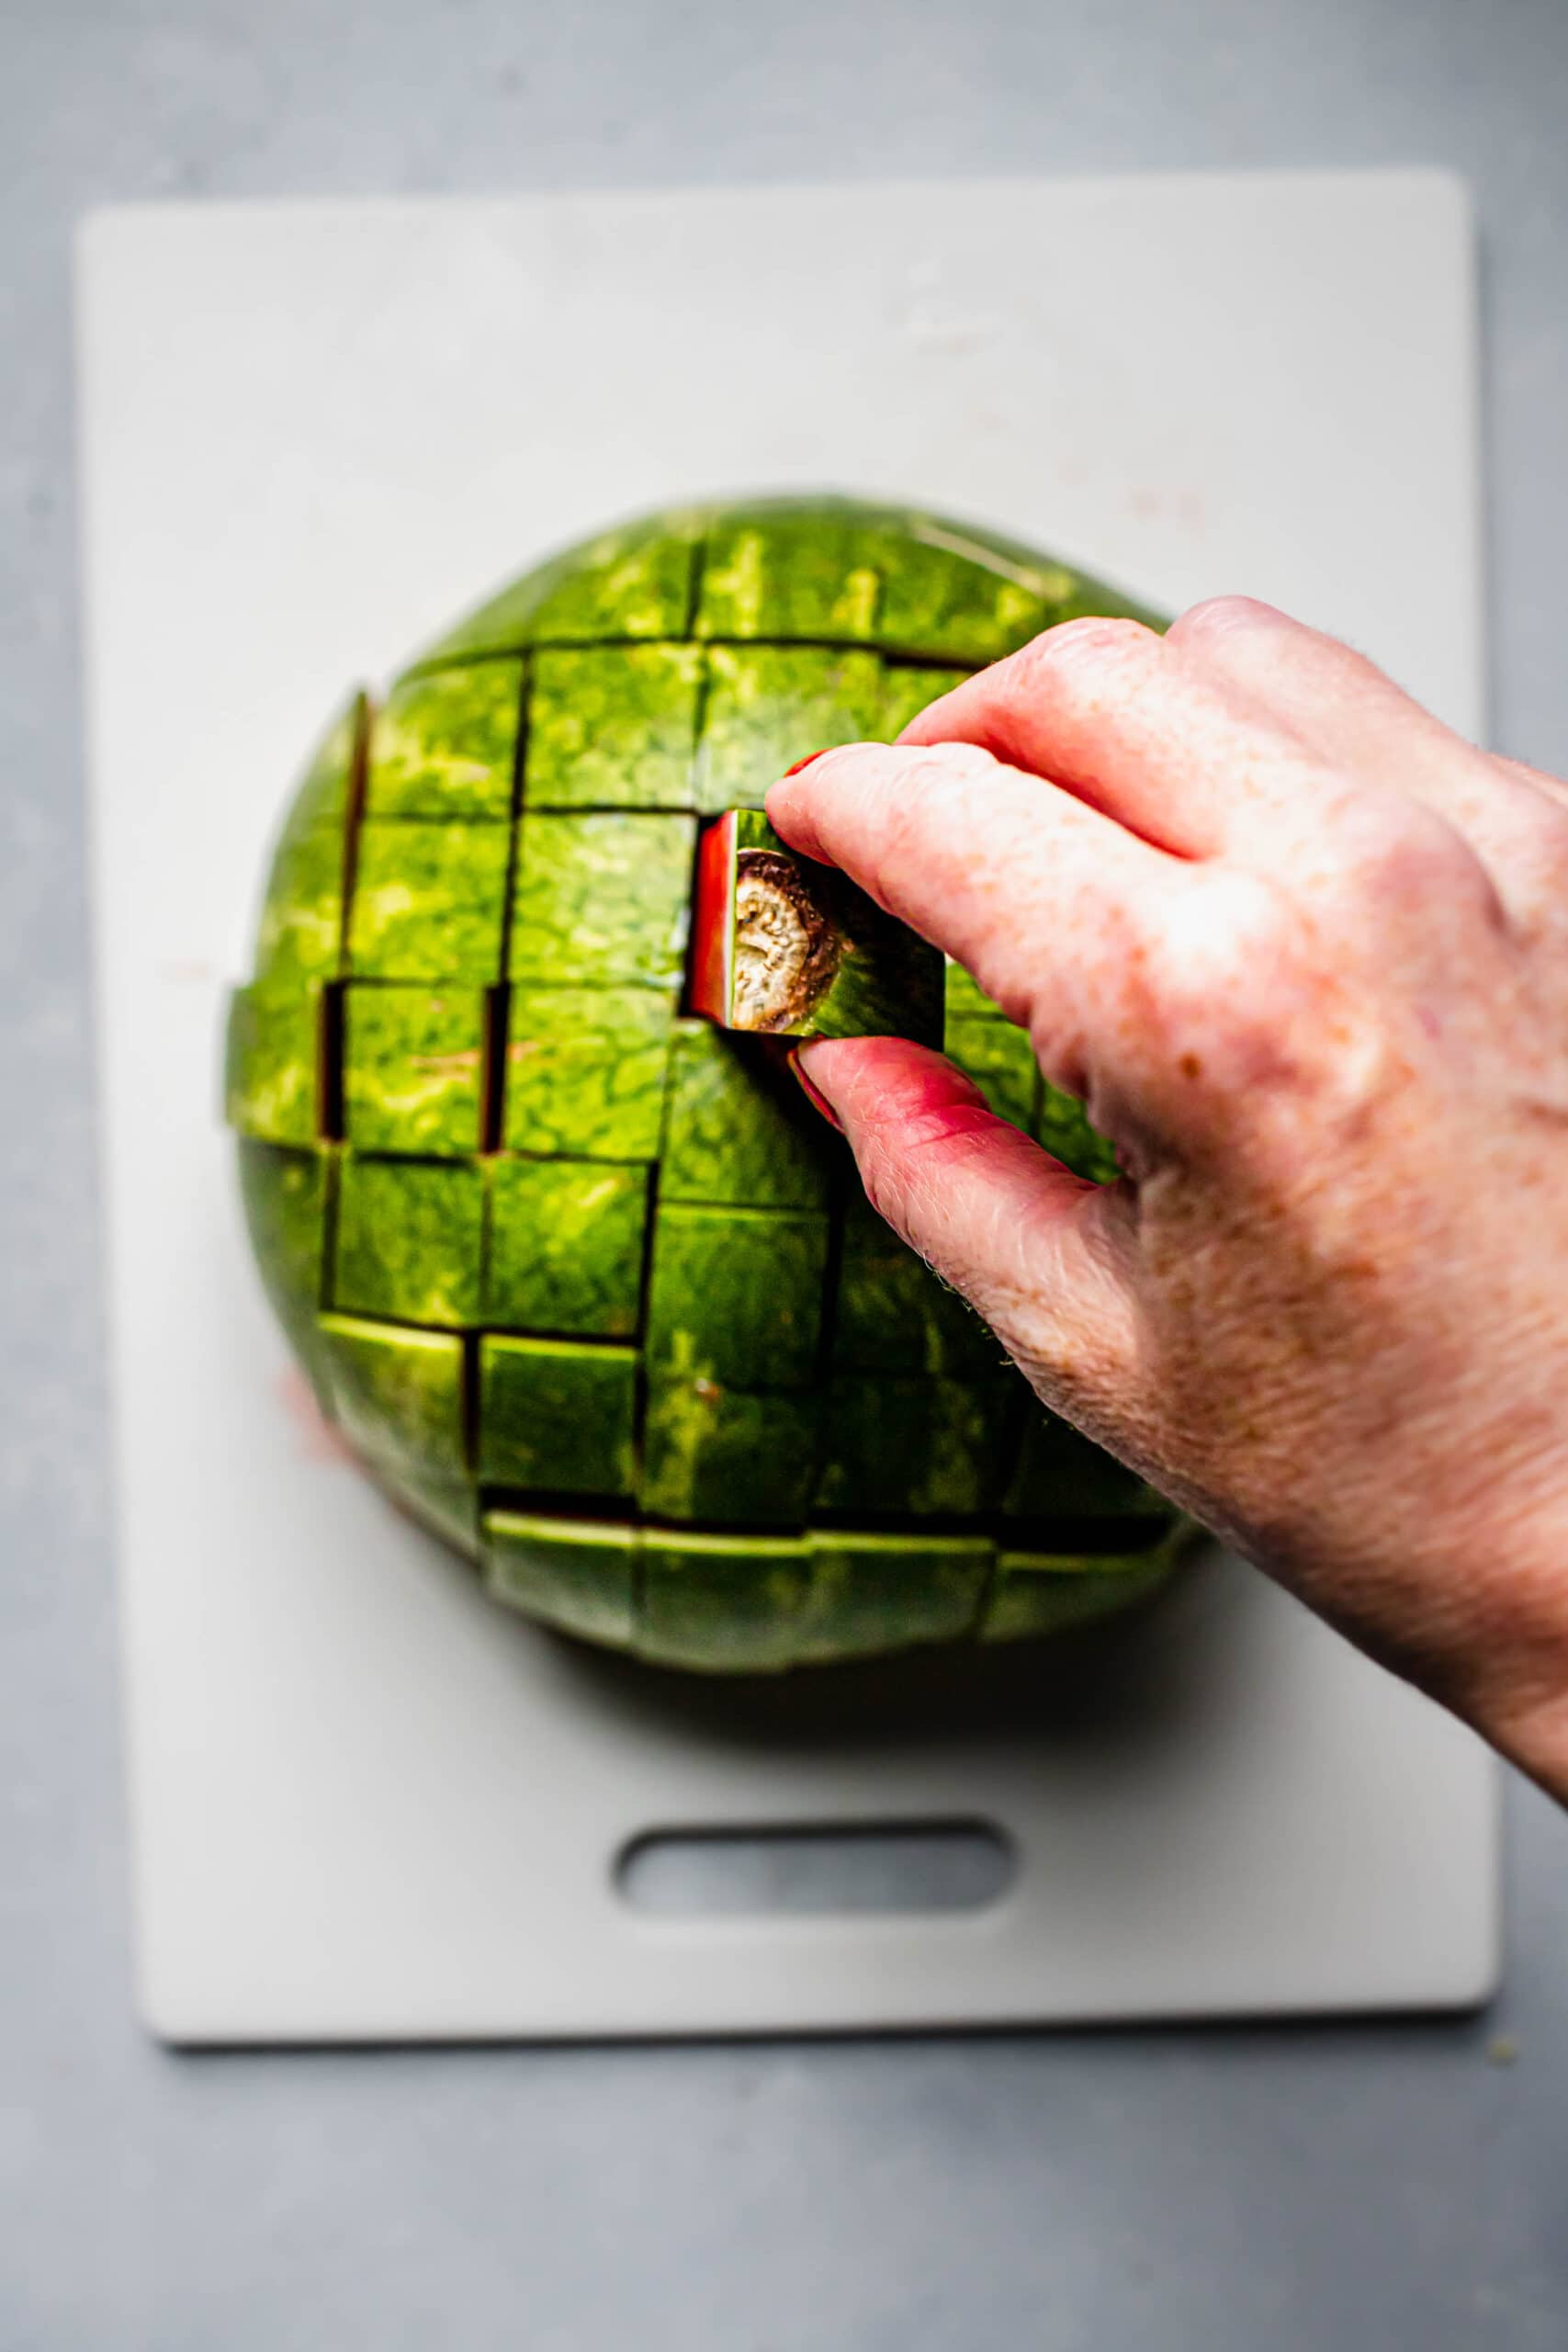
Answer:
(580, 1276)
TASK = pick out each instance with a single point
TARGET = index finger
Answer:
(1039, 896)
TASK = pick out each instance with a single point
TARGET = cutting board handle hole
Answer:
(822, 1868)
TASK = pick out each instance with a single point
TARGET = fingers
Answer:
(1358, 722)
(1111, 713)
(1243, 734)
(1045, 1258)
(1042, 899)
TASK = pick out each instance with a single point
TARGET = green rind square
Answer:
(576, 1576)
(1060, 1473)
(1000, 1060)
(413, 1067)
(396, 1395)
(445, 745)
(1034, 1595)
(770, 705)
(895, 1315)
(781, 576)
(270, 1063)
(429, 901)
(713, 1454)
(300, 937)
(738, 1128)
(871, 1592)
(285, 1197)
(908, 690)
(1060, 1124)
(613, 727)
(720, 1602)
(557, 1417)
(636, 582)
(951, 598)
(586, 1069)
(603, 900)
(322, 794)
(566, 1247)
(901, 1447)
(408, 1239)
(736, 1295)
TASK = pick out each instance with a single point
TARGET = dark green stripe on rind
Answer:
(566, 1247)
(1061, 1475)
(409, 1237)
(613, 727)
(720, 1602)
(635, 581)
(954, 593)
(771, 572)
(735, 1296)
(770, 705)
(271, 1083)
(895, 1315)
(573, 1574)
(711, 1453)
(906, 1447)
(413, 1067)
(871, 1593)
(557, 1415)
(285, 1196)
(445, 746)
(429, 900)
(585, 1071)
(739, 1129)
(602, 899)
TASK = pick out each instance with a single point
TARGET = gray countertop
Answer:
(1341, 2185)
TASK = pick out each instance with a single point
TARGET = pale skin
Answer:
(1304, 953)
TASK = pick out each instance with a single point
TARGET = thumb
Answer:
(1044, 1257)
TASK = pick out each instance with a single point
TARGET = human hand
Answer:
(1304, 954)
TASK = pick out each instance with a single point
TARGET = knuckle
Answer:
(1222, 617)
(1077, 655)
(1221, 946)
(1222, 1005)
(921, 788)
(1404, 855)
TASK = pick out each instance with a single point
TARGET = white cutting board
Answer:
(365, 1802)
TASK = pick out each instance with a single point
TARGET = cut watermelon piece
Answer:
(784, 947)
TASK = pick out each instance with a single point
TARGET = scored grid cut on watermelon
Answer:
(584, 1281)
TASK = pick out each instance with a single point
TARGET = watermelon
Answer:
(576, 1270)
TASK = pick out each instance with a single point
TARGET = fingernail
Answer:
(806, 762)
(813, 1094)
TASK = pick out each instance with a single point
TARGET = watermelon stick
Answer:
(784, 947)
